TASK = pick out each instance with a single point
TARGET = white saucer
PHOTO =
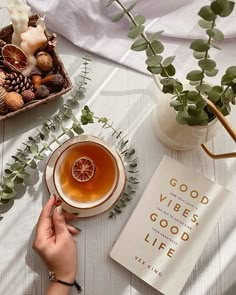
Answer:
(89, 212)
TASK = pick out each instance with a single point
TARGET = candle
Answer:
(32, 40)
(19, 15)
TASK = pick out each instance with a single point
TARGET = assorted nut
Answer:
(14, 101)
(28, 95)
(16, 89)
(3, 106)
(44, 61)
(42, 92)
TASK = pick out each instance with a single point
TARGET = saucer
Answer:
(85, 212)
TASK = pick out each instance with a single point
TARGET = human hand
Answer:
(54, 241)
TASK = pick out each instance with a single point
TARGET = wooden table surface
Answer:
(127, 98)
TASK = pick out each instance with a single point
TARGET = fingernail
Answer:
(58, 201)
(52, 196)
(59, 209)
(78, 229)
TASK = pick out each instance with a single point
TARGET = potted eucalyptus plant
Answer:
(184, 118)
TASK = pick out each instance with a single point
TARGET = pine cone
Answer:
(1, 59)
(17, 82)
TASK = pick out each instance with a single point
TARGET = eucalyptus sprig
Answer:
(54, 129)
(32, 151)
(128, 155)
(190, 105)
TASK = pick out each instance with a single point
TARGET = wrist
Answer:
(68, 277)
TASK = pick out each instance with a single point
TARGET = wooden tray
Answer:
(5, 34)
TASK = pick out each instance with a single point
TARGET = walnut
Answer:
(14, 101)
(44, 61)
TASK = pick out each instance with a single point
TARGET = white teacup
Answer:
(108, 152)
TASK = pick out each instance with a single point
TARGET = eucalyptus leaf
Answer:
(70, 134)
(33, 164)
(168, 89)
(195, 75)
(226, 7)
(212, 73)
(135, 32)
(34, 149)
(139, 19)
(206, 13)
(7, 189)
(231, 71)
(16, 166)
(8, 171)
(199, 55)
(168, 71)
(155, 70)
(193, 96)
(225, 110)
(193, 110)
(168, 81)
(228, 94)
(157, 46)
(139, 45)
(226, 79)
(78, 129)
(199, 45)
(176, 103)
(205, 24)
(204, 88)
(156, 35)
(8, 196)
(215, 93)
(207, 64)
(215, 34)
(8, 182)
(168, 61)
(154, 61)
(201, 104)
(216, 7)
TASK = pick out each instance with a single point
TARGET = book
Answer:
(170, 226)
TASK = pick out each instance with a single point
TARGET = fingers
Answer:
(69, 216)
(59, 221)
(72, 229)
(44, 222)
(48, 207)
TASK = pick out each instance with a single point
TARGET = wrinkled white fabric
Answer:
(87, 24)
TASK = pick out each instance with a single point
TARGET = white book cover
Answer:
(170, 226)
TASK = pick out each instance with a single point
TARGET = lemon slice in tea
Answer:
(14, 57)
(83, 169)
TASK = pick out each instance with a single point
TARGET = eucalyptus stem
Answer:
(206, 54)
(149, 44)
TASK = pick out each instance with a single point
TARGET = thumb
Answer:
(59, 222)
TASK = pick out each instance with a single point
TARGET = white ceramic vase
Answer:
(175, 135)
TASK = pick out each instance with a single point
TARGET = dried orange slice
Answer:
(14, 57)
(83, 169)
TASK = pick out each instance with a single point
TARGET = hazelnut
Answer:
(28, 95)
(14, 101)
(42, 92)
(44, 61)
(54, 82)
